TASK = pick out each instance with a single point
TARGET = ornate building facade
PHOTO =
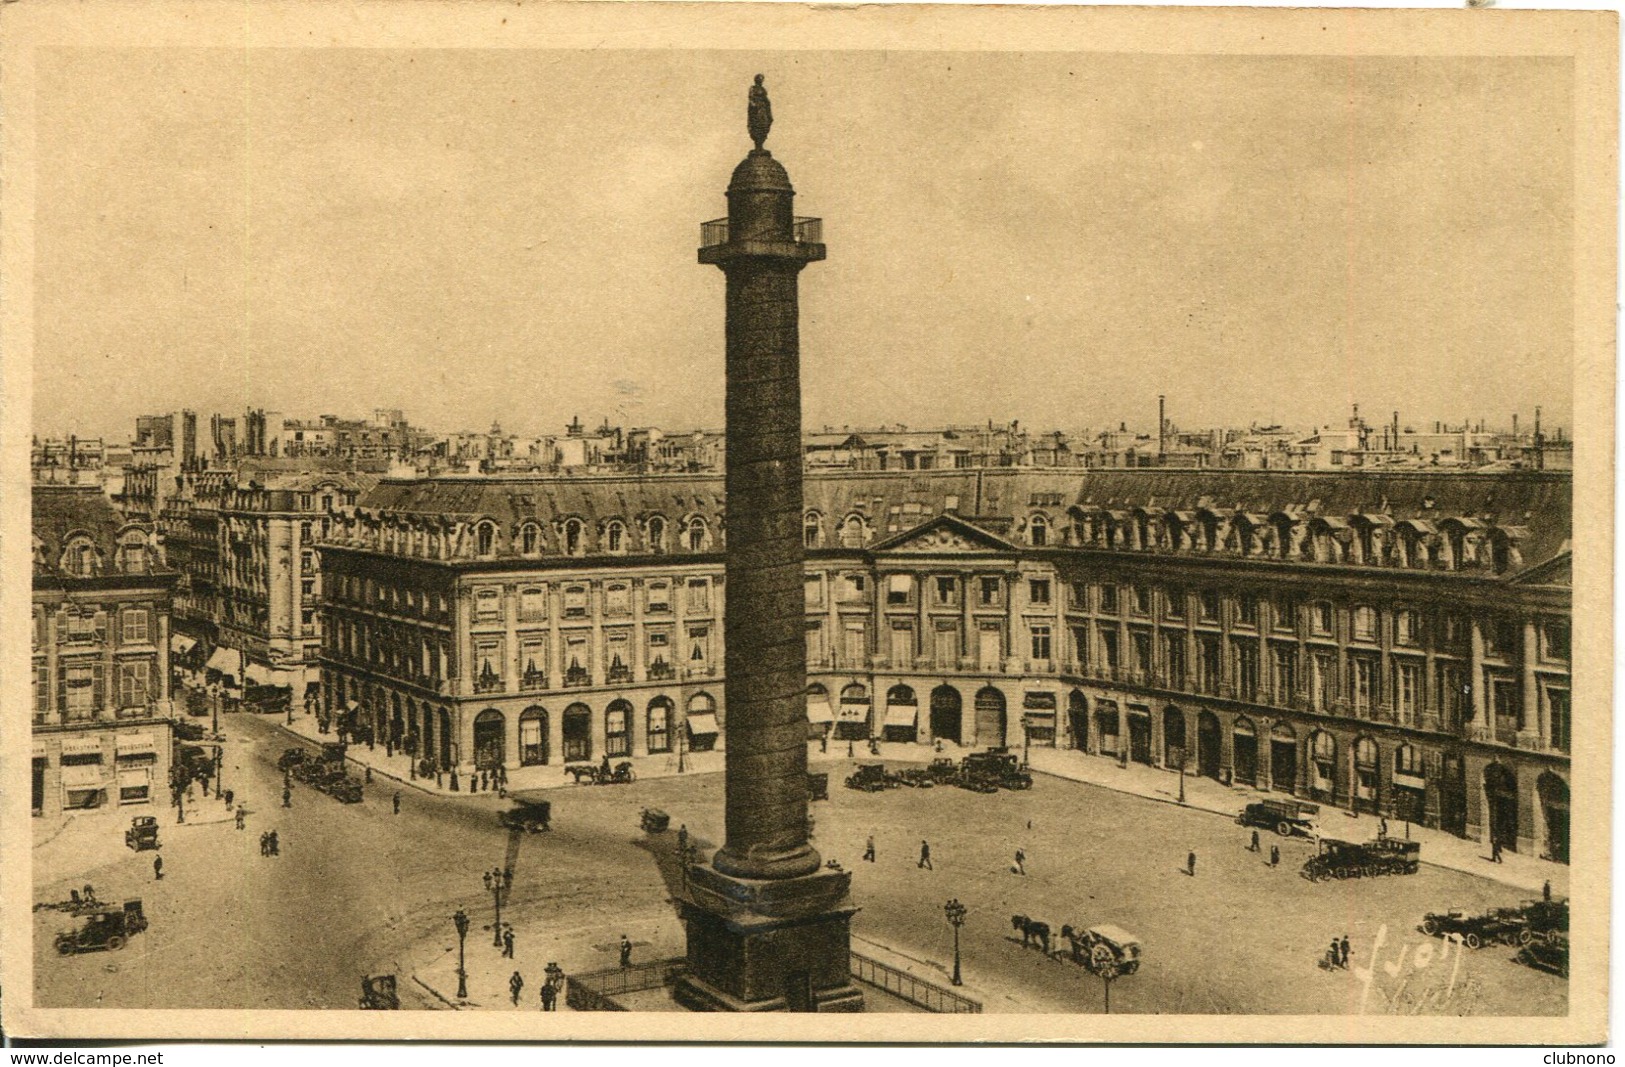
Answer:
(1387, 642)
(101, 602)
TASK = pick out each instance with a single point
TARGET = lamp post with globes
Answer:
(493, 882)
(954, 911)
(460, 920)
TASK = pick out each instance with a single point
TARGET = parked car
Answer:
(655, 821)
(1546, 919)
(1285, 817)
(943, 771)
(1497, 925)
(869, 778)
(1369, 859)
(817, 786)
(1001, 768)
(1551, 954)
(142, 834)
(533, 817)
(345, 790)
(914, 778)
(105, 927)
(291, 757)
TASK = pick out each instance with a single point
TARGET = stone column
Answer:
(1531, 730)
(1477, 725)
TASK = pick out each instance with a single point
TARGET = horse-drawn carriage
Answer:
(378, 993)
(529, 816)
(655, 821)
(601, 774)
(1106, 950)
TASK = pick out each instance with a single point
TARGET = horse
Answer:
(583, 771)
(1030, 930)
(1077, 941)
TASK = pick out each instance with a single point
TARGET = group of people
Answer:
(549, 991)
(269, 845)
(487, 781)
(1337, 955)
(1275, 850)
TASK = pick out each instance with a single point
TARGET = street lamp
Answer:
(954, 911)
(493, 882)
(214, 691)
(1179, 764)
(460, 920)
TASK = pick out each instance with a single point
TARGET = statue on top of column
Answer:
(760, 117)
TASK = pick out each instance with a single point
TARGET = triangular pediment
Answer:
(1559, 570)
(945, 533)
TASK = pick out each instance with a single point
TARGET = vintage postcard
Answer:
(658, 521)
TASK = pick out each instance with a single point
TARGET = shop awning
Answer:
(702, 724)
(81, 744)
(901, 714)
(819, 711)
(134, 777)
(1038, 718)
(181, 643)
(900, 583)
(1410, 781)
(226, 661)
(137, 742)
(82, 776)
(853, 713)
(254, 674)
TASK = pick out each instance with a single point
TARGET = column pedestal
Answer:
(781, 945)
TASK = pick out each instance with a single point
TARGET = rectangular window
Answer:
(533, 603)
(1142, 600)
(1108, 599)
(1173, 648)
(857, 646)
(902, 645)
(1504, 697)
(618, 655)
(81, 697)
(1247, 610)
(577, 660)
(1503, 637)
(899, 589)
(1555, 636)
(1142, 650)
(699, 646)
(1365, 623)
(1285, 665)
(617, 598)
(1038, 591)
(1247, 669)
(1320, 618)
(487, 605)
(947, 591)
(814, 587)
(659, 729)
(1108, 646)
(134, 680)
(488, 665)
(658, 595)
(1176, 603)
(1453, 694)
(1406, 627)
(1209, 603)
(1041, 644)
(815, 643)
(1324, 681)
(307, 587)
(1407, 688)
(532, 661)
(1286, 615)
(698, 597)
(1362, 684)
(992, 592)
(1562, 727)
(1209, 668)
(135, 626)
(853, 587)
(947, 644)
(575, 601)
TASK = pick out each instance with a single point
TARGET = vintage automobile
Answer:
(977, 783)
(655, 821)
(1001, 768)
(943, 771)
(142, 834)
(1105, 949)
(1285, 817)
(188, 731)
(1352, 859)
(914, 778)
(870, 778)
(342, 788)
(1497, 925)
(290, 758)
(1551, 954)
(817, 786)
(103, 926)
(533, 817)
(1546, 919)
(378, 993)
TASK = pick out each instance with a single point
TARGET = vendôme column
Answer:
(767, 924)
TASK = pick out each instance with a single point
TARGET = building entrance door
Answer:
(945, 711)
(39, 786)
(1284, 764)
(1139, 737)
(1501, 802)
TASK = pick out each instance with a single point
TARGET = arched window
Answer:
(659, 733)
(1038, 531)
(696, 534)
(530, 539)
(574, 542)
(657, 535)
(485, 536)
(812, 531)
(80, 558)
(618, 729)
(615, 537)
(132, 553)
(852, 532)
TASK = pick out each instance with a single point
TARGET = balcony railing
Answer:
(804, 230)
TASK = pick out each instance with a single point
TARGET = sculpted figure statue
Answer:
(760, 115)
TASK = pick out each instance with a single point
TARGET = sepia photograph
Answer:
(1093, 523)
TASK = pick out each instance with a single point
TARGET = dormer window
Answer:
(696, 534)
(530, 539)
(485, 538)
(657, 535)
(615, 538)
(1038, 531)
(80, 558)
(132, 554)
(573, 539)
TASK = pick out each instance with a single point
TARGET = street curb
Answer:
(435, 993)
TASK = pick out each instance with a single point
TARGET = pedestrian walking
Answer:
(1190, 864)
(367, 776)
(1334, 956)
(90, 894)
(1495, 850)
(275, 849)
(1021, 862)
(265, 842)
(849, 752)
(1254, 846)
(516, 985)
(550, 996)
(230, 795)
(1546, 891)
(507, 879)
(823, 743)
(242, 819)
(507, 942)
(869, 848)
(397, 802)
(1275, 855)
(626, 953)
(1382, 827)
(157, 868)
(287, 797)
(682, 843)
(1343, 951)
(925, 856)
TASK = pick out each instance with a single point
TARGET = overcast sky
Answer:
(509, 235)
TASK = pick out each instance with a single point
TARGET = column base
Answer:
(781, 945)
